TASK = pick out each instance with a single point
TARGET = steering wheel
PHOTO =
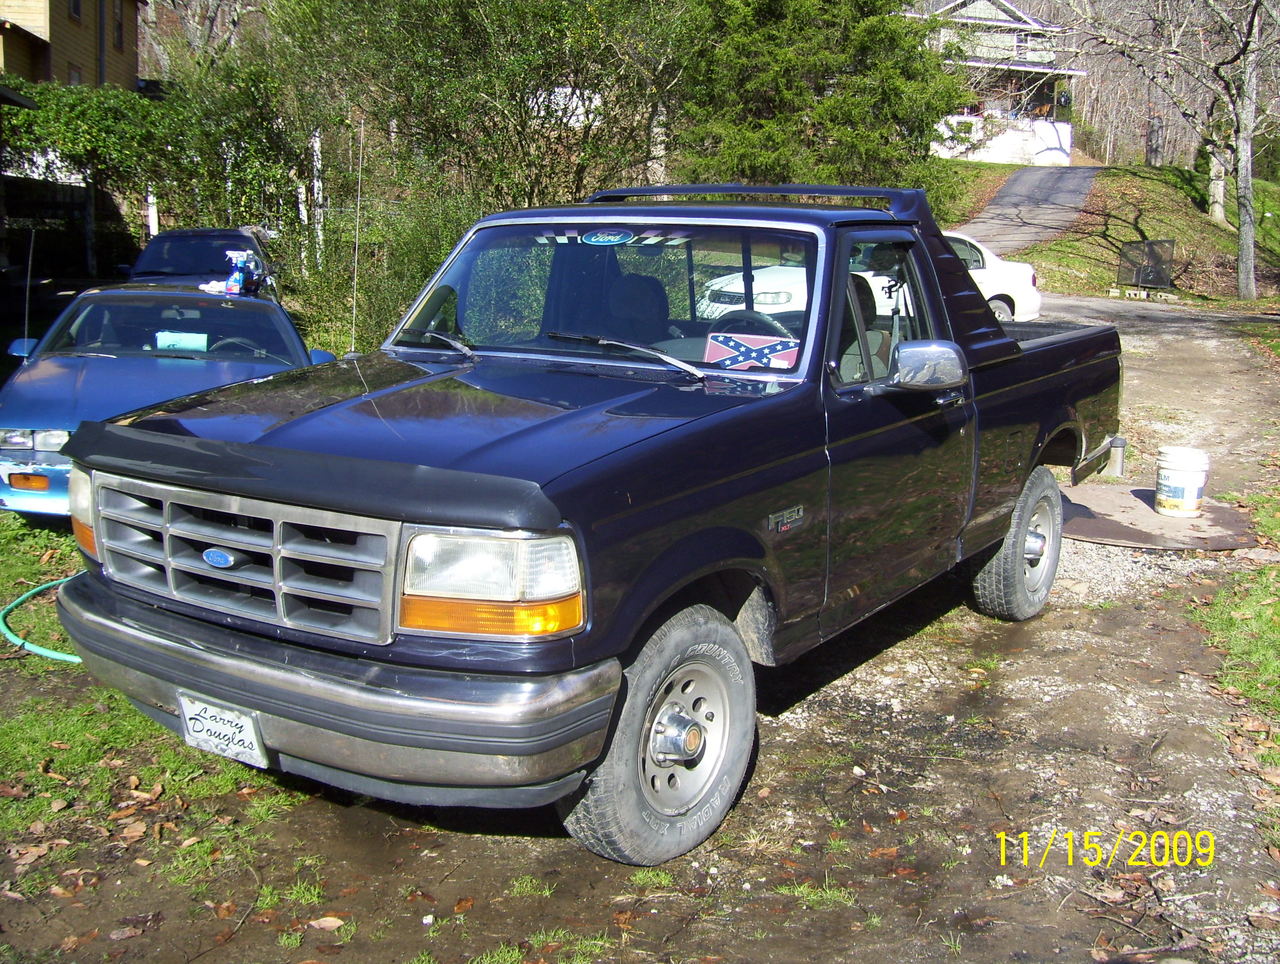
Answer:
(748, 322)
(234, 340)
(246, 343)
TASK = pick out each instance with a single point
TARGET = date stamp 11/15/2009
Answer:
(1097, 848)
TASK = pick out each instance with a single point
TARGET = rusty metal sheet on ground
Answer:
(1123, 516)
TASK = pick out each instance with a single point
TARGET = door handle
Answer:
(950, 399)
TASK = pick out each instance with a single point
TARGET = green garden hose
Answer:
(21, 643)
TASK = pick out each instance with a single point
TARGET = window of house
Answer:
(74, 75)
(73, 9)
(117, 23)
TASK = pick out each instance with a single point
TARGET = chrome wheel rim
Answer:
(1038, 548)
(685, 734)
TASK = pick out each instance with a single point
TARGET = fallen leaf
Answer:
(145, 921)
(763, 792)
(60, 745)
(464, 905)
(59, 804)
(225, 935)
(221, 911)
(74, 943)
(348, 891)
(330, 923)
(134, 831)
(889, 852)
(1266, 922)
(121, 814)
(124, 933)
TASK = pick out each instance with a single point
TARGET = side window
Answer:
(881, 307)
(966, 252)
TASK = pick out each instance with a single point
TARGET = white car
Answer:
(1008, 286)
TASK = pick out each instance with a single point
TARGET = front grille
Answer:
(307, 569)
(720, 297)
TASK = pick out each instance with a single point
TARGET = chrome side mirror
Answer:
(927, 366)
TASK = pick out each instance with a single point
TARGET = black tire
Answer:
(656, 795)
(1001, 309)
(1014, 583)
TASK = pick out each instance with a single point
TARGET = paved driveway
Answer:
(1035, 204)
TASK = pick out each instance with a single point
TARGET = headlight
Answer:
(772, 297)
(488, 585)
(50, 440)
(80, 496)
(42, 440)
(15, 438)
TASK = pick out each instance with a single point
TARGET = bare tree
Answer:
(204, 27)
(1210, 59)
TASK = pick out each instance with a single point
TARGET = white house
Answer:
(1023, 113)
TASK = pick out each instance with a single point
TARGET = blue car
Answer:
(115, 349)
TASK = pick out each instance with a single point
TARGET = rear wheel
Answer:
(680, 748)
(1001, 309)
(1014, 583)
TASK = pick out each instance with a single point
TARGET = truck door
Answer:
(901, 461)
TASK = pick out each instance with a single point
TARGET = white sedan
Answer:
(1008, 286)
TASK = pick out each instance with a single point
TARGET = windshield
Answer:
(190, 255)
(712, 296)
(155, 325)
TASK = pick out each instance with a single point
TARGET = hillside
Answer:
(1151, 204)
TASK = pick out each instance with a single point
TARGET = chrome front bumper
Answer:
(400, 733)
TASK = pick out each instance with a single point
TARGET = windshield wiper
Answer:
(671, 360)
(454, 343)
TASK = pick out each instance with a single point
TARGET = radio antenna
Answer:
(355, 266)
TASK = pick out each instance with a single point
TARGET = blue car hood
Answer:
(61, 391)
(525, 420)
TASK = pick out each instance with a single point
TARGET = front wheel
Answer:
(1014, 583)
(680, 748)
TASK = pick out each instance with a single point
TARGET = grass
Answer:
(526, 885)
(819, 897)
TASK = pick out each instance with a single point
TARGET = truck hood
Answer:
(61, 391)
(519, 419)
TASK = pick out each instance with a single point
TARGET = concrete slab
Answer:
(1118, 515)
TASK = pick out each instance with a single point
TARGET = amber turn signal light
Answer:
(29, 482)
(473, 617)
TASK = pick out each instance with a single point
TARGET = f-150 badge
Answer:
(787, 519)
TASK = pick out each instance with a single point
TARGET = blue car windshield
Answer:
(709, 295)
(190, 255)
(152, 324)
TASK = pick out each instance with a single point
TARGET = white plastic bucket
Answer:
(1180, 478)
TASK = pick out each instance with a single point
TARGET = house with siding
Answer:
(71, 41)
(1017, 68)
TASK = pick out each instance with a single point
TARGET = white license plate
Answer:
(221, 729)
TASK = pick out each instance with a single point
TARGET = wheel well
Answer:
(743, 601)
(1062, 449)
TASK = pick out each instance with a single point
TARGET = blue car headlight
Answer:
(42, 440)
(16, 438)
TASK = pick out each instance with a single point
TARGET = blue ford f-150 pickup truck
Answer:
(615, 454)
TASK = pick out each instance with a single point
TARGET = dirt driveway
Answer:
(935, 786)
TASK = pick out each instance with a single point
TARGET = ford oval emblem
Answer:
(219, 558)
(609, 236)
